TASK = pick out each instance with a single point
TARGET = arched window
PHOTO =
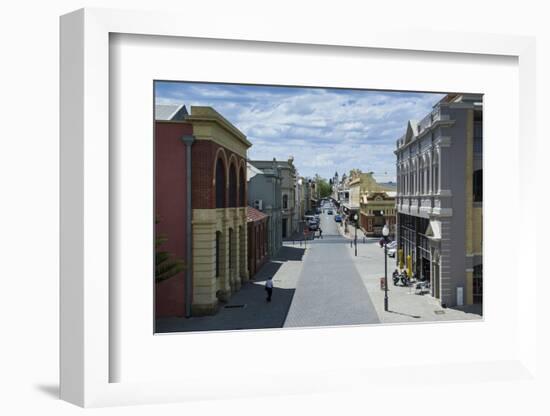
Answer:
(421, 174)
(242, 188)
(437, 182)
(232, 186)
(220, 184)
(478, 185)
(230, 251)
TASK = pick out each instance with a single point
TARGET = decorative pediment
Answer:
(412, 131)
(433, 231)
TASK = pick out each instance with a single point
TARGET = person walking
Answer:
(269, 288)
(320, 233)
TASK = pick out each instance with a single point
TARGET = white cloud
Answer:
(325, 130)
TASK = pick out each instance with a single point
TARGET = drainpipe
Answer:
(188, 295)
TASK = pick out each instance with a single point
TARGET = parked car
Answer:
(337, 218)
(330, 212)
(313, 225)
(392, 251)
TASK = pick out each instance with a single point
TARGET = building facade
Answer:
(290, 218)
(439, 198)
(257, 224)
(264, 194)
(214, 186)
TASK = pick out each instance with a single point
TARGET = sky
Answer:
(326, 130)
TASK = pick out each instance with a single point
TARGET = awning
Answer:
(434, 230)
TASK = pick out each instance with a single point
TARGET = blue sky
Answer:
(326, 130)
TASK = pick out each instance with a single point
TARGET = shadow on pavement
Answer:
(288, 253)
(247, 308)
(476, 309)
(405, 314)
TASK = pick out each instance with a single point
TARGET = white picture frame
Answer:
(87, 356)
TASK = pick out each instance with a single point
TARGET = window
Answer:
(478, 133)
(478, 185)
(478, 284)
(232, 187)
(220, 184)
(436, 176)
(230, 248)
(242, 189)
(285, 201)
(218, 242)
(478, 145)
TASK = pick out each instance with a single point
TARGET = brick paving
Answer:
(322, 284)
(257, 313)
(330, 290)
(404, 304)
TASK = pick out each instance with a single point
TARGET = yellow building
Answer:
(219, 200)
(376, 204)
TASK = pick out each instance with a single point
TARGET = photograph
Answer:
(308, 206)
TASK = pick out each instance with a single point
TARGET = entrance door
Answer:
(284, 227)
(425, 269)
(436, 281)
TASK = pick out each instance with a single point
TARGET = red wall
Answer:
(171, 199)
(203, 172)
(257, 245)
(170, 208)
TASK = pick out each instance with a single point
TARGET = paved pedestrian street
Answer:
(320, 282)
(329, 290)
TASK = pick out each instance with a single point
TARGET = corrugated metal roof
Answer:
(253, 215)
(170, 111)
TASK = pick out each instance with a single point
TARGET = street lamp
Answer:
(355, 217)
(385, 233)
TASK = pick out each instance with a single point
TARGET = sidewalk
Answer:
(247, 308)
(404, 304)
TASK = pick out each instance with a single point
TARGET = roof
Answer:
(170, 111)
(204, 115)
(252, 171)
(253, 215)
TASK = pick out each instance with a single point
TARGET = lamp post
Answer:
(385, 233)
(355, 218)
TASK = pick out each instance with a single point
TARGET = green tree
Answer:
(323, 187)
(165, 266)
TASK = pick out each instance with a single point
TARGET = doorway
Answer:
(425, 272)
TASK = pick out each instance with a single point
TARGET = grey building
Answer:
(264, 194)
(439, 199)
(290, 216)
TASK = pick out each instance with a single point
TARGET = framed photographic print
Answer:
(227, 198)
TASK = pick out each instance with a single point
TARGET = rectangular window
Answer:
(478, 185)
(218, 235)
(478, 284)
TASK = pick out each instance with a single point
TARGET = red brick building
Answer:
(200, 202)
(257, 239)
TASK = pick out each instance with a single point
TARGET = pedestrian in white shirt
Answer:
(269, 288)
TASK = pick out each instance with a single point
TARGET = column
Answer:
(205, 283)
